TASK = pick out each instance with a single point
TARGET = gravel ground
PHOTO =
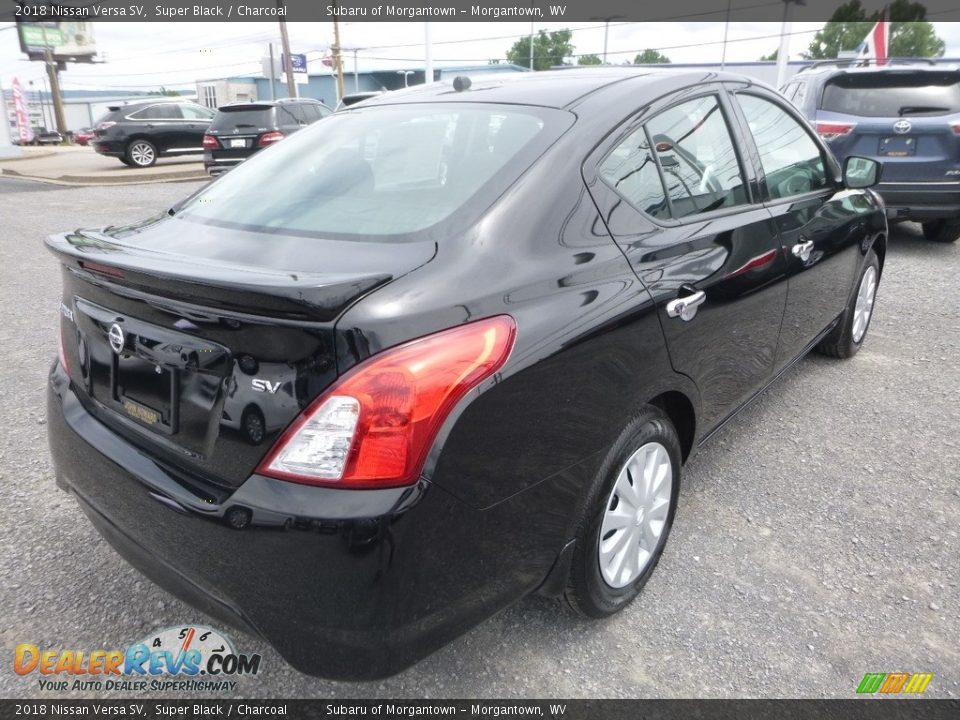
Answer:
(816, 537)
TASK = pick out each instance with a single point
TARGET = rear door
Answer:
(820, 224)
(680, 199)
(162, 124)
(908, 118)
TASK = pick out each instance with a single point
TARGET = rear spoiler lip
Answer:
(234, 289)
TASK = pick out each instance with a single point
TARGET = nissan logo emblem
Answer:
(901, 127)
(116, 338)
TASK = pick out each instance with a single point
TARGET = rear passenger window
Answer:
(792, 162)
(631, 171)
(696, 154)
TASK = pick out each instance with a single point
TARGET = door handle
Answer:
(802, 250)
(685, 308)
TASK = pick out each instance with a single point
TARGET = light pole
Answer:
(606, 31)
(784, 51)
(406, 75)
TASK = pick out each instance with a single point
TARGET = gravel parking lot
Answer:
(816, 537)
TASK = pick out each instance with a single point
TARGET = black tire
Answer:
(141, 153)
(945, 231)
(840, 343)
(252, 425)
(587, 592)
(126, 162)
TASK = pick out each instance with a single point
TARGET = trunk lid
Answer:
(201, 344)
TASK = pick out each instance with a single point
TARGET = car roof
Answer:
(550, 88)
(830, 70)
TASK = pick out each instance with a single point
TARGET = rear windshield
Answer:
(397, 170)
(247, 118)
(893, 94)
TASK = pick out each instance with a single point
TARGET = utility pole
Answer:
(531, 44)
(273, 76)
(337, 55)
(428, 60)
(54, 75)
(784, 51)
(288, 61)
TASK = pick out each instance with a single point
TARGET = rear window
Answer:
(249, 118)
(401, 170)
(893, 94)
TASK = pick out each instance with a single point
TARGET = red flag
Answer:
(20, 110)
(874, 46)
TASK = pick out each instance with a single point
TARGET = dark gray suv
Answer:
(138, 133)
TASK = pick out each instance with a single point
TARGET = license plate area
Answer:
(899, 146)
(146, 392)
(238, 143)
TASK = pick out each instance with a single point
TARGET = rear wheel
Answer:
(946, 231)
(141, 153)
(846, 338)
(253, 425)
(627, 521)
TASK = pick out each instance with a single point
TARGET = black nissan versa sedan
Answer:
(478, 329)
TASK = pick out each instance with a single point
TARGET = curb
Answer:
(92, 181)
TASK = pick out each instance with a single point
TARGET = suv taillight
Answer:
(830, 130)
(270, 138)
(210, 142)
(106, 125)
(956, 128)
(374, 426)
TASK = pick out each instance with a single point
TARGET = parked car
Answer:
(139, 133)
(240, 129)
(490, 323)
(47, 137)
(905, 114)
(83, 136)
(357, 97)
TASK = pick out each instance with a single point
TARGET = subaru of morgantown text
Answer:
(449, 348)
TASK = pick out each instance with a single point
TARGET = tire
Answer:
(126, 162)
(141, 153)
(597, 586)
(252, 425)
(945, 231)
(845, 340)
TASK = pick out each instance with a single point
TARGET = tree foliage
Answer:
(589, 60)
(651, 57)
(549, 49)
(910, 33)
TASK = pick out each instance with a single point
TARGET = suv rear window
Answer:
(891, 94)
(252, 118)
(396, 170)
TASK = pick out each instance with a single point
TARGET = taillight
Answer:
(106, 125)
(64, 363)
(956, 128)
(101, 269)
(210, 142)
(830, 130)
(270, 138)
(374, 426)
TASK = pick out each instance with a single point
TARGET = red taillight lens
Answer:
(106, 125)
(270, 138)
(374, 427)
(956, 128)
(210, 142)
(830, 130)
(101, 269)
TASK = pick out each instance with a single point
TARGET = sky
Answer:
(145, 56)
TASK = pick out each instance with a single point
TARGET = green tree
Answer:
(910, 33)
(589, 60)
(771, 56)
(549, 49)
(651, 57)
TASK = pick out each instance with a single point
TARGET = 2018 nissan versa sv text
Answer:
(449, 348)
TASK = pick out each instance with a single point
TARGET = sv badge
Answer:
(265, 386)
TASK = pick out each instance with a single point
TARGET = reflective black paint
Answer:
(360, 584)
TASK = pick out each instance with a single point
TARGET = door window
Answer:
(693, 146)
(631, 171)
(791, 160)
(195, 112)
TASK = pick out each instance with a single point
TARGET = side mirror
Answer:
(861, 172)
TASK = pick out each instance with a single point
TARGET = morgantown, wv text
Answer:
(475, 11)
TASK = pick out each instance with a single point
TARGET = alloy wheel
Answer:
(142, 154)
(864, 305)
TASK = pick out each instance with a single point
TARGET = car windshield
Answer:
(255, 117)
(893, 94)
(395, 170)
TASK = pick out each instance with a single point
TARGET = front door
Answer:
(679, 200)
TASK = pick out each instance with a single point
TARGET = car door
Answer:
(682, 202)
(196, 120)
(820, 224)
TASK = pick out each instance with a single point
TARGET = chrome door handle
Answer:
(802, 250)
(686, 307)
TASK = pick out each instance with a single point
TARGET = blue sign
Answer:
(298, 63)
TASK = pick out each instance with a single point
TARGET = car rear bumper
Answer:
(921, 201)
(220, 161)
(106, 147)
(344, 584)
